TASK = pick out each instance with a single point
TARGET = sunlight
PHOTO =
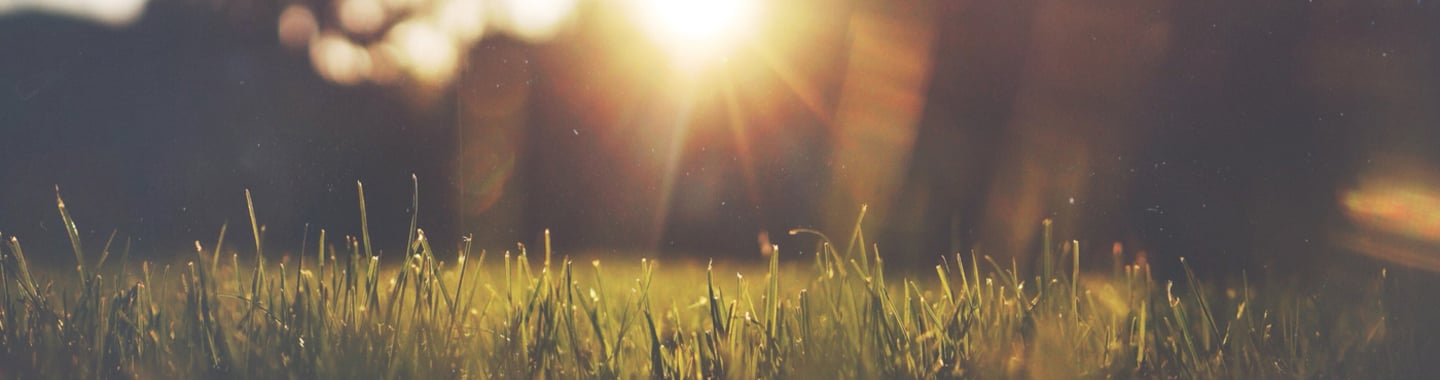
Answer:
(535, 20)
(697, 31)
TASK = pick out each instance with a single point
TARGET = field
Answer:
(832, 312)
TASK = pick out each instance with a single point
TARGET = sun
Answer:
(696, 32)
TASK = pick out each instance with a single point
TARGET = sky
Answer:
(1234, 133)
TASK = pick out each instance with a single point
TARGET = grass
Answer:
(831, 313)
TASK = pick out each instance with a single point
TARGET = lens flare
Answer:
(1398, 216)
(877, 115)
(1406, 211)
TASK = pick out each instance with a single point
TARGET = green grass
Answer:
(335, 312)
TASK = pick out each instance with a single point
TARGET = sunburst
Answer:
(711, 47)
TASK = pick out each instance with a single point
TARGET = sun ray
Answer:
(673, 155)
(807, 94)
(704, 74)
(742, 143)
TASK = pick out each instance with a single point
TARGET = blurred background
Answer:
(1239, 134)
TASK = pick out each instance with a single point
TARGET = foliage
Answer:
(339, 314)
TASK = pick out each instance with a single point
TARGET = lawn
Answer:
(833, 311)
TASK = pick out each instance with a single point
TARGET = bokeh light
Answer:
(297, 26)
(114, 13)
(535, 20)
(426, 51)
(421, 40)
(464, 20)
(402, 6)
(360, 17)
(339, 60)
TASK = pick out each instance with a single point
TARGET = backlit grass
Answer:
(334, 312)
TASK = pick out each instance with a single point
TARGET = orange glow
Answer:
(766, 247)
(1395, 207)
(878, 114)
